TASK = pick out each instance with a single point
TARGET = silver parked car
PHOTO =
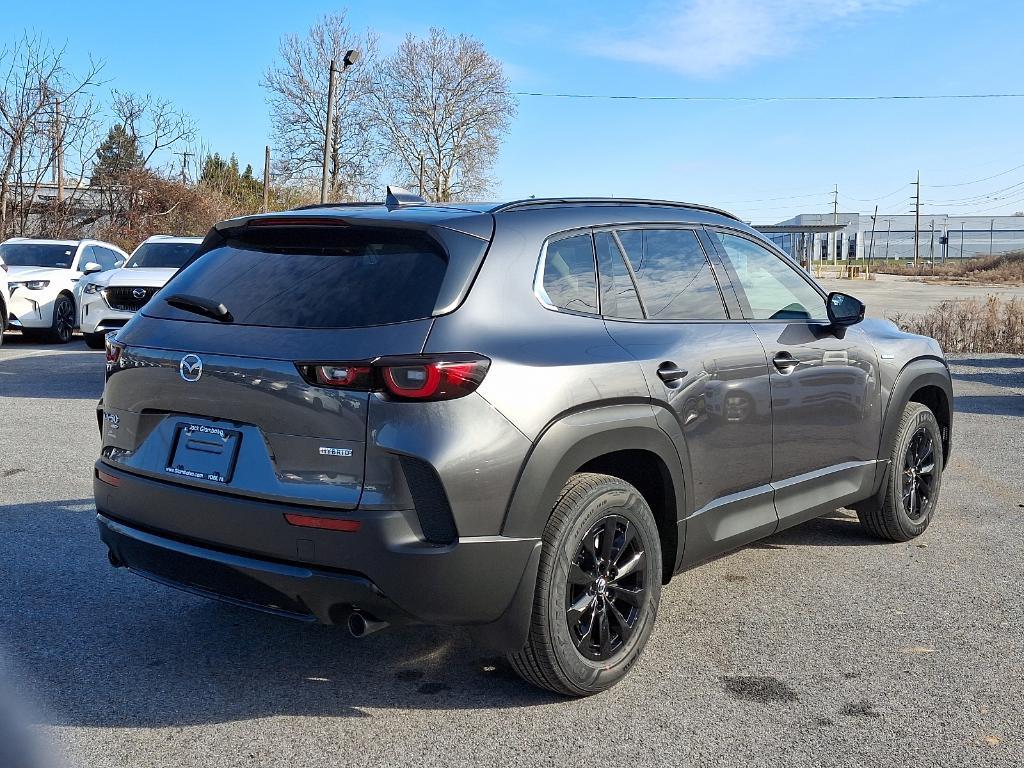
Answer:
(524, 418)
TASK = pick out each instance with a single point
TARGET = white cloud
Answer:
(703, 38)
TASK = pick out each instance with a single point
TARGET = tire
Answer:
(95, 340)
(560, 655)
(63, 324)
(911, 495)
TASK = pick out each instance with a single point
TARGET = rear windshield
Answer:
(37, 255)
(361, 278)
(165, 255)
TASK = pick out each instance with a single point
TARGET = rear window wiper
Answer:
(200, 306)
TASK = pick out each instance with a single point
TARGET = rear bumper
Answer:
(244, 551)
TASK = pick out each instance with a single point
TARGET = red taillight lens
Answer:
(443, 380)
(416, 377)
(113, 350)
(345, 376)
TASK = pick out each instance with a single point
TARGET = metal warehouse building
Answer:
(814, 237)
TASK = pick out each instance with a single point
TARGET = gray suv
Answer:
(523, 418)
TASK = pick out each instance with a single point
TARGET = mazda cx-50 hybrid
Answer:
(524, 418)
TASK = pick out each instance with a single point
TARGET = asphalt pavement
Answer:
(816, 647)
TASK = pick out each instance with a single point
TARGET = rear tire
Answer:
(914, 479)
(62, 327)
(95, 340)
(598, 588)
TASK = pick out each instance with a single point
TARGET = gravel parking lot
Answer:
(817, 647)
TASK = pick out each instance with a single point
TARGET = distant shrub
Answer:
(1004, 268)
(973, 325)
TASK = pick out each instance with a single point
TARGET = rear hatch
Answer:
(226, 401)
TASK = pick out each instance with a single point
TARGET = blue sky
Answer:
(208, 58)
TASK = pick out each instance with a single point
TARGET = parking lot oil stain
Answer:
(763, 690)
(862, 708)
(409, 675)
(432, 689)
(13, 472)
(824, 722)
(734, 577)
(851, 675)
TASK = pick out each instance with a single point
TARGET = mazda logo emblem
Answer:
(138, 293)
(191, 367)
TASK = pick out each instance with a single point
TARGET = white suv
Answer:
(5, 298)
(109, 299)
(42, 277)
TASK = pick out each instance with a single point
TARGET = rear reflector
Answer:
(103, 477)
(326, 523)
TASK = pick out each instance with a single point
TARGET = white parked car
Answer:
(109, 299)
(5, 299)
(42, 278)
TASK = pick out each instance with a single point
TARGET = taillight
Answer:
(414, 377)
(113, 350)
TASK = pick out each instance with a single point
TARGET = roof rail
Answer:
(539, 202)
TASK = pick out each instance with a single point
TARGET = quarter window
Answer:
(570, 277)
(673, 274)
(773, 289)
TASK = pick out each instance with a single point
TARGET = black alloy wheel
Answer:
(919, 475)
(63, 327)
(605, 588)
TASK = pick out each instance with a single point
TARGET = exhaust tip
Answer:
(361, 625)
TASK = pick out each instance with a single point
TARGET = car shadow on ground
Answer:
(989, 362)
(102, 647)
(990, 405)
(71, 374)
(838, 529)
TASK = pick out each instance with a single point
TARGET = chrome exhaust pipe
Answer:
(361, 625)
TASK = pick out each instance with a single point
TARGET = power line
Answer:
(887, 97)
(976, 181)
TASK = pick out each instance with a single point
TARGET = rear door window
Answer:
(569, 279)
(618, 294)
(340, 279)
(673, 274)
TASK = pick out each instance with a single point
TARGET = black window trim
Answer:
(737, 286)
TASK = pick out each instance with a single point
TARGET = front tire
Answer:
(62, 327)
(598, 588)
(95, 340)
(914, 481)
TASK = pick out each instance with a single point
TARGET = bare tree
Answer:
(36, 87)
(443, 99)
(297, 95)
(155, 124)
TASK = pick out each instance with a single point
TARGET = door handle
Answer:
(785, 362)
(670, 372)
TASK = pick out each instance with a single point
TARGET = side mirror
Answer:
(844, 310)
(91, 268)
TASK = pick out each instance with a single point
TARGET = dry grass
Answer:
(974, 325)
(1005, 268)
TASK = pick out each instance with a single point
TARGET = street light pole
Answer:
(351, 57)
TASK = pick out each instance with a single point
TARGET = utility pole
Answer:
(871, 247)
(184, 165)
(331, 141)
(917, 219)
(58, 149)
(835, 220)
(421, 175)
(931, 246)
(888, 232)
(961, 242)
(266, 179)
(991, 232)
